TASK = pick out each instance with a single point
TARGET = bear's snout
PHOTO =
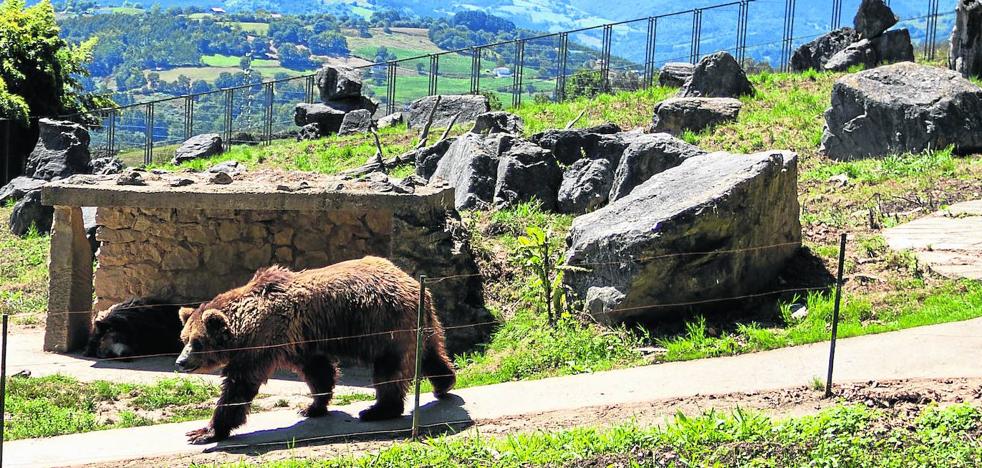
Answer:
(183, 362)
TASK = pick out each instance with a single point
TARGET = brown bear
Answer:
(364, 310)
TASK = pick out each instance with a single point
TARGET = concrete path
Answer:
(948, 242)
(24, 354)
(939, 351)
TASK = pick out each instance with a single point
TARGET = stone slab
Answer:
(949, 242)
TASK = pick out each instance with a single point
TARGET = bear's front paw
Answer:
(313, 411)
(202, 436)
(378, 412)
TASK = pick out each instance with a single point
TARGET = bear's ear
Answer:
(215, 321)
(185, 314)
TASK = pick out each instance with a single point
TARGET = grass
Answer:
(843, 435)
(24, 269)
(56, 405)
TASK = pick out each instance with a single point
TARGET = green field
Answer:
(260, 29)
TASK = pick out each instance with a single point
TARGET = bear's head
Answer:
(206, 338)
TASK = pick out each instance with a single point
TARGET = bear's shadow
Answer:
(443, 416)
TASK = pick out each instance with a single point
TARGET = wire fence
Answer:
(618, 56)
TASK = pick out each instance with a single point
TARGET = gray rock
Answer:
(337, 83)
(893, 46)
(645, 156)
(181, 182)
(220, 178)
(815, 54)
(469, 106)
(872, 18)
(18, 187)
(390, 120)
(858, 53)
(498, 122)
(245, 138)
(569, 146)
(107, 165)
(965, 55)
(696, 114)
(352, 104)
(712, 202)
(602, 303)
(354, 122)
(526, 172)
(29, 211)
(231, 167)
(675, 74)
(900, 108)
(471, 168)
(62, 150)
(131, 178)
(309, 132)
(196, 147)
(427, 157)
(585, 186)
(717, 75)
(327, 118)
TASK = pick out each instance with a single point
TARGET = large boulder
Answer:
(197, 147)
(29, 211)
(337, 83)
(471, 168)
(18, 187)
(717, 75)
(585, 186)
(860, 52)
(965, 55)
(715, 202)
(359, 121)
(815, 54)
(327, 118)
(570, 145)
(62, 150)
(428, 157)
(894, 46)
(645, 156)
(498, 122)
(527, 172)
(675, 74)
(873, 17)
(467, 105)
(900, 108)
(352, 104)
(390, 120)
(695, 114)
(107, 165)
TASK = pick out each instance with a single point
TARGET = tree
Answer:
(245, 62)
(294, 57)
(328, 43)
(200, 86)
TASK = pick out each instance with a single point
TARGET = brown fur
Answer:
(316, 311)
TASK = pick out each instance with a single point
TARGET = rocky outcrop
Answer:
(717, 75)
(107, 165)
(527, 172)
(467, 105)
(498, 122)
(570, 145)
(427, 157)
(197, 147)
(675, 74)
(709, 203)
(359, 121)
(585, 186)
(815, 54)
(390, 120)
(858, 53)
(471, 168)
(62, 150)
(900, 108)
(894, 46)
(695, 114)
(645, 156)
(30, 212)
(873, 18)
(327, 119)
(336, 83)
(18, 187)
(965, 55)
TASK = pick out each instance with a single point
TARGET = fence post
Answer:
(835, 313)
(188, 116)
(111, 138)
(788, 36)
(696, 36)
(390, 87)
(561, 76)
(836, 15)
(742, 20)
(419, 354)
(148, 142)
(229, 98)
(605, 58)
(932, 29)
(3, 384)
(268, 125)
(475, 70)
(434, 73)
(649, 53)
(516, 91)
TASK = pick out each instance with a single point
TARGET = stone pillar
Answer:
(70, 283)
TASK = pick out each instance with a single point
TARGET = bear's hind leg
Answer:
(391, 382)
(437, 368)
(320, 372)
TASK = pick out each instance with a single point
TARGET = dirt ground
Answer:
(906, 396)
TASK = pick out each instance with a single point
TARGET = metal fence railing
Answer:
(619, 56)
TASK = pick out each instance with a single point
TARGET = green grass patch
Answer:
(24, 269)
(57, 404)
(844, 435)
(627, 109)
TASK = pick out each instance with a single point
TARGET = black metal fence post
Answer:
(268, 107)
(229, 99)
(188, 116)
(390, 87)
(742, 20)
(434, 74)
(148, 143)
(836, 20)
(605, 58)
(561, 75)
(309, 86)
(930, 36)
(649, 53)
(419, 354)
(696, 36)
(111, 132)
(835, 313)
(475, 70)
(516, 89)
(788, 36)
(3, 384)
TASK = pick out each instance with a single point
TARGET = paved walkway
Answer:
(948, 242)
(939, 351)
